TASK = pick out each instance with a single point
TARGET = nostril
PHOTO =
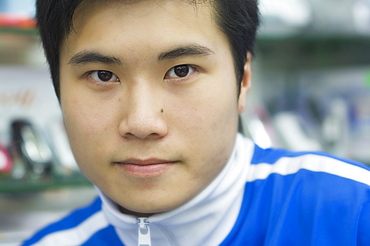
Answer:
(143, 129)
(129, 135)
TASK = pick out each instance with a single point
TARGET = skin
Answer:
(112, 125)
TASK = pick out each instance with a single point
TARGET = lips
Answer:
(145, 168)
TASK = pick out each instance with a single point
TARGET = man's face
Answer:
(149, 99)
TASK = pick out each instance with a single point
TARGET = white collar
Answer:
(205, 220)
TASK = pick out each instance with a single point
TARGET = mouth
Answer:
(145, 168)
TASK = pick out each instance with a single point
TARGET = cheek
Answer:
(207, 122)
(210, 108)
(85, 130)
(76, 118)
(86, 127)
(82, 116)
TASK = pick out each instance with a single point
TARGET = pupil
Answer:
(182, 70)
(105, 75)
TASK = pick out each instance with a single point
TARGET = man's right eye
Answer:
(103, 76)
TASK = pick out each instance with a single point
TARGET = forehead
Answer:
(134, 9)
(87, 5)
(162, 20)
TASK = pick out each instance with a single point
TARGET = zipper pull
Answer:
(144, 232)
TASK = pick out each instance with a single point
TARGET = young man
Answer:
(150, 93)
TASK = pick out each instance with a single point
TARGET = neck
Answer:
(133, 213)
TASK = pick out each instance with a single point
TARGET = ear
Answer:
(245, 83)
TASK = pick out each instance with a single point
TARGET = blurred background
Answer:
(311, 91)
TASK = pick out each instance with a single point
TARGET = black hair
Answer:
(238, 19)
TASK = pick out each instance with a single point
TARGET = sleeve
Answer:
(363, 237)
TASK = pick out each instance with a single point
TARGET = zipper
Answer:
(143, 232)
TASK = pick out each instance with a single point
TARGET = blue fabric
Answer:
(364, 225)
(107, 236)
(72, 220)
(304, 208)
(270, 156)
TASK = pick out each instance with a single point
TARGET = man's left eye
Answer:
(180, 71)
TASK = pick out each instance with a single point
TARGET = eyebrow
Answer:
(93, 57)
(187, 50)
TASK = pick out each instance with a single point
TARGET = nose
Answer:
(144, 116)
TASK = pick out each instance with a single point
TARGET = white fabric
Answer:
(205, 220)
(311, 162)
(76, 235)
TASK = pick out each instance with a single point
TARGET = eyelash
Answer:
(191, 70)
(90, 75)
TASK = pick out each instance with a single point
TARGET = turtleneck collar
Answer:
(204, 220)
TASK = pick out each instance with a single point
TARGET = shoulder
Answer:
(74, 229)
(311, 183)
(292, 197)
(266, 162)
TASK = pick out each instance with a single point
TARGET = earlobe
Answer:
(245, 83)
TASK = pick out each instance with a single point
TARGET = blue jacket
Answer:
(262, 197)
